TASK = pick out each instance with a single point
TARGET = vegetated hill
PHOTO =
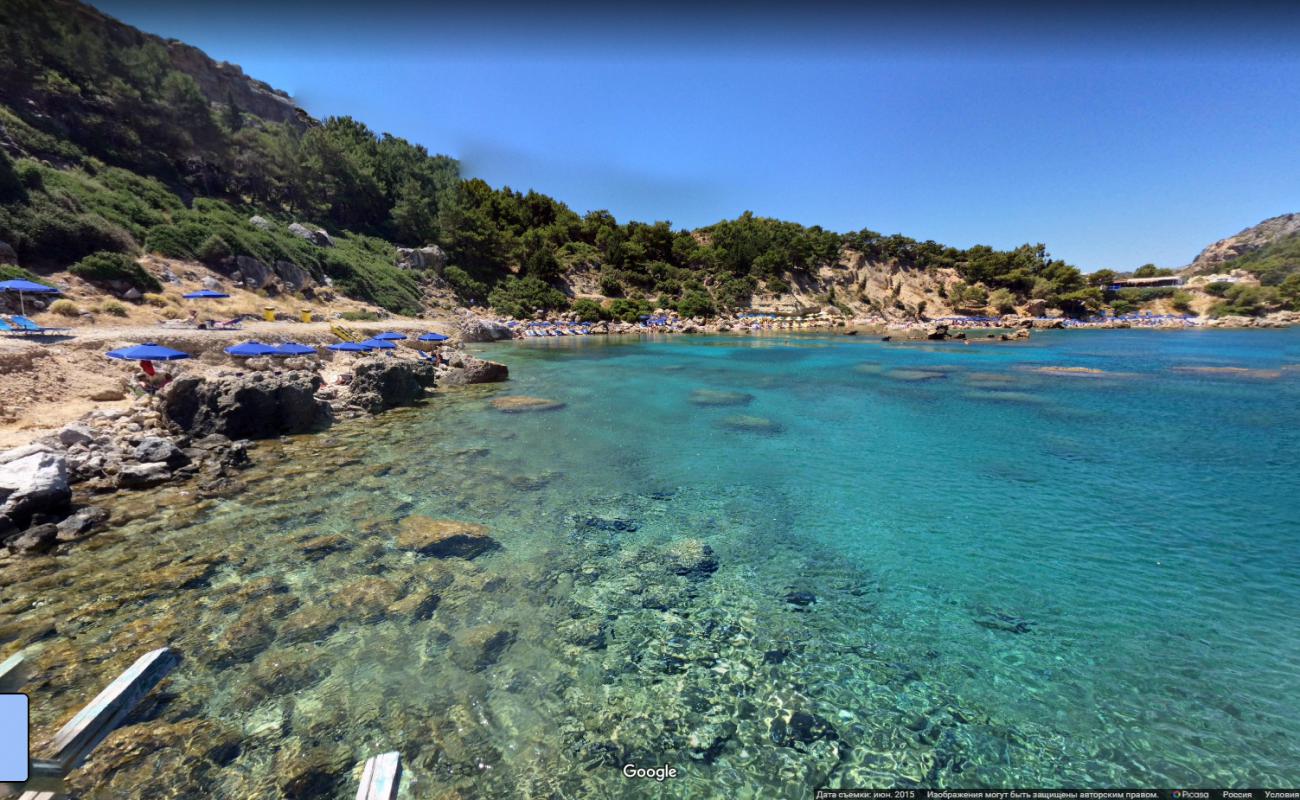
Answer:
(1269, 250)
(114, 140)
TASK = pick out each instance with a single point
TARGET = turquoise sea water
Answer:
(937, 565)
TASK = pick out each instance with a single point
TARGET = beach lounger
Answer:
(6, 328)
(28, 326)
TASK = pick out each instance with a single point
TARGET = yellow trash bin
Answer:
(306, 315)
(268, 313)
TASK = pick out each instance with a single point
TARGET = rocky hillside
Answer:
(1227, 254)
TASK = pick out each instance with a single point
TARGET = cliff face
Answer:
(1251, 239)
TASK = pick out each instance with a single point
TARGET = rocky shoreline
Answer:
(199, 428)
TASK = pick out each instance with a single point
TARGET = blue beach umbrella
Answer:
(251, 349)
(294, 349)
(390, 336)
(380, 344)
(434, 337)
(350, 347)
(147, 352)
(204, 294)
(23, 287)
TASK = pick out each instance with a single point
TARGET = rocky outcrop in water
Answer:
(462, 369)
(254, 405)
(33, 483)
(476, 329)
(380, 383)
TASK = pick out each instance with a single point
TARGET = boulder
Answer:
(463, 370)
(475, 329)
(81, 523)
(77, 433)
(316, 236)
(252, 272)
(1036, 308)
(33, 541)
(691, 558)
(294, 277)
(256, 405)
(444, 538)
(157, 450)
(428, 257)
(480, 647)
(108, 395)
(140, 476)
(33, 480)
(133, 294)
(7, 254)
(380, 383)
(259, 222)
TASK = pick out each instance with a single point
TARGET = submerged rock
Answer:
(1000, 621)
(801, 599)
(444, 538)
(366, 599)
(750, 424)
(914, 375)
(463, 370)
(480, 647)
(310, 623)
(711, 397)
(518, 403)
(691, 558)
(801, 728)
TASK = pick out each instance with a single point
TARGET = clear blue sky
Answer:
(1116, 136)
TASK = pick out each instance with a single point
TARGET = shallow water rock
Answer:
(279, 672)
(155, 449)
(914, 375)
(308, 624)
(609, 524)
(140, 476)
(800, 728)
(256, 405)
(420, 603)
(312, 773)
(365, 599)
(1002, 621)
(444, 538)
(35, 540)
(691, 558)
(587, 631)
(713, 397)
(250, 633)
(480, 647)
(465, 370)
(746, 423)
(82, 522)
(515, 404)
(174, 759)
(801, 599)
(318, 547)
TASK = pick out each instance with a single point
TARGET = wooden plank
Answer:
(14, 672)
(75, 740)
(381, 777)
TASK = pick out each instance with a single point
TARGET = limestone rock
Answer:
(444, 538)
(76, 433)
(259, 222)
(33, 480)
(380, 383)
(463, 370)
(157, 450)
(35, 540)
(427, 257)
(475, 329)
(139, 476)
(316, 236)
(255, 405)
(365, 599)
(82, 523)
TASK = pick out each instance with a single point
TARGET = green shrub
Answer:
(611, 286)
(156, 300)
(105, 267)
(1181, 301)
(523, 297)
(1247, 300)
(213, 250)
(465, 287)
(1002, 300)
(113, 308)
(695, 304)
(64, 308)
(628, 310)
(777, 285)
(589, 310)
(12, 272)
(1218, 288)
(360, 316)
